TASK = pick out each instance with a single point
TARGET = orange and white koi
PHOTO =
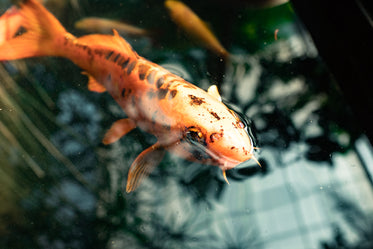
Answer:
(185, 119)
(187, 20)
(104, 25)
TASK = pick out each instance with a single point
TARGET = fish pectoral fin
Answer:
(118, 129)
(143, 165)
(93, 85)
(213, 91)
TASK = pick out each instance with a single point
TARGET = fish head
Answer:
(226, 143)
(216, 135)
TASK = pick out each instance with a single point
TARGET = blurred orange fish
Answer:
(187, 20)
(186, 120)
(106, 26)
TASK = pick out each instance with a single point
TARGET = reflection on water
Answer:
(64, 189)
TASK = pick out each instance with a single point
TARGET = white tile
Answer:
(312, 211)
(293, 242)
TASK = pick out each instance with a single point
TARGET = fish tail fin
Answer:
(41, 28)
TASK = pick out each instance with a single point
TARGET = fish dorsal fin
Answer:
(125, 45)
(108, 42)
(93, 85)
(118, 129)
(213, 91)
(143, 165)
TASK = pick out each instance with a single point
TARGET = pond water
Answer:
(62, 188)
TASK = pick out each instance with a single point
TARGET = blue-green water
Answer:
(62, 188)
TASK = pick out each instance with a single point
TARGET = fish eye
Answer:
(249, 127)
(194, 135)
(241, 124)
(241, 119)
(244, 122)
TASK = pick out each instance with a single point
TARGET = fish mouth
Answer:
(222, 161)
(209, 156)
(226, 163)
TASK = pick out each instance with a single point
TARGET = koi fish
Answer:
(186, 120)
(103, 25)
(187, 20)
(276, 34)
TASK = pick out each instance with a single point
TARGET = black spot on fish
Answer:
(162, 93)
(123, 92)
(125, 63)
(150, 77)
(173, 94)
(85, 48)
(215, 115)
(160, 82)
(196, 100)
(120, 60)
(89, 51)
(108, 55)
(131, 66)
(143, 70)
(116, 58)
(141, 76)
